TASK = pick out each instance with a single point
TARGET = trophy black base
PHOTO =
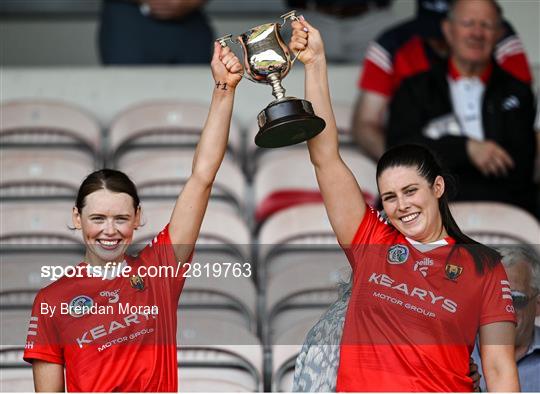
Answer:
(287, 122)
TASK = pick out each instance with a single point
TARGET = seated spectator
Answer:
(348, 26)
(408, 49)
(477, 117)
(522, 266)
(138, 32)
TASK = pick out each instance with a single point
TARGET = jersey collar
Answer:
(455, 75)
(427, 247)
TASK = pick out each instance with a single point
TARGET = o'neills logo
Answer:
(112, 295)
(423, 265)
(415, 292)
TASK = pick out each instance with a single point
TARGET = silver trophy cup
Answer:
(286, 120)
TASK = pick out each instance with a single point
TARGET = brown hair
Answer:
(107, 179)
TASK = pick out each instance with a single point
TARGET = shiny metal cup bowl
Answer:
(266, 57)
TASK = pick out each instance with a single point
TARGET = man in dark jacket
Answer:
(475, 116)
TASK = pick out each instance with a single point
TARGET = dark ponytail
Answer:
(424, 161)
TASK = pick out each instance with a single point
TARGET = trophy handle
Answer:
(223, 42)
(292, 16)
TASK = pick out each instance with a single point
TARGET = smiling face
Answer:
(107, 222)
(472, 32)
(411, 203)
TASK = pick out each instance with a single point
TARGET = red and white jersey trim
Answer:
(32, 327)
(511, 46)
(380, 57)
(506, 291)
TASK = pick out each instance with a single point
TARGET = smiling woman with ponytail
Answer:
(421, 289)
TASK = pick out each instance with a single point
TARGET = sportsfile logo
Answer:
(416, 292)
(423, 265)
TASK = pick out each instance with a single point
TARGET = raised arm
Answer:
(341, 194)
(498, 360)
(188, 213)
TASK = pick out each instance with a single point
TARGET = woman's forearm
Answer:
(213, 142)
(48, 377)
(498, 356)
(324, 146)
(504, 379)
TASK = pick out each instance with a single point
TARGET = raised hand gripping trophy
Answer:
(286, 120)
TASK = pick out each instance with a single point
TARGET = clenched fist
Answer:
(307, 42)
(226, 68)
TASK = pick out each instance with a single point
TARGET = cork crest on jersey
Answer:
(453, 271)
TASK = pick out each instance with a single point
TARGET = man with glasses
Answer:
(407, 49)
(522, 266)
(478, 118)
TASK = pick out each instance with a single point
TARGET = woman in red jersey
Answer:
(421, 289)
(109, 327)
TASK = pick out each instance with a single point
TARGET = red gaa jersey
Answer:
(401, 52)
(414, 312)
(125, 339)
